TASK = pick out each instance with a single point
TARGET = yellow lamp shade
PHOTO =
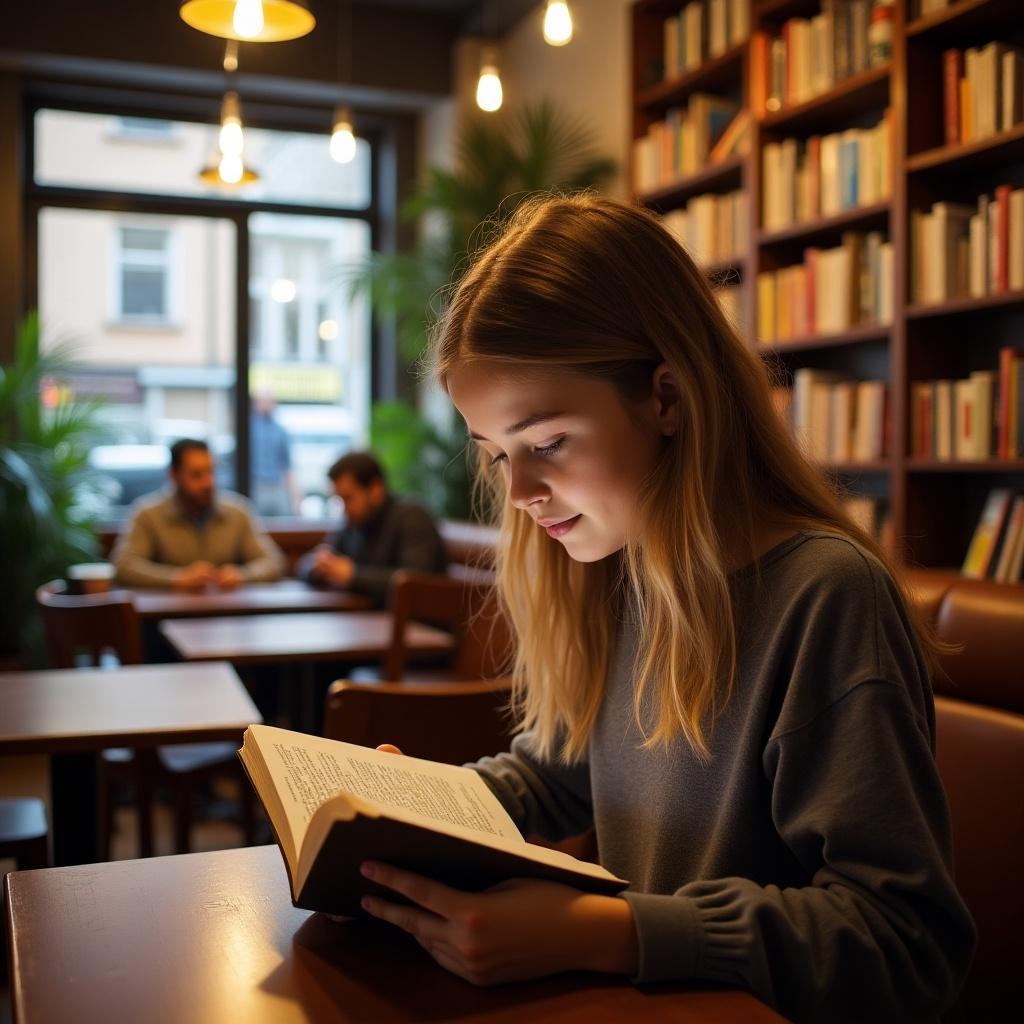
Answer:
(249, 21)
(211, 175)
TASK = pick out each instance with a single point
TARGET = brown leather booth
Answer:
(979, 709)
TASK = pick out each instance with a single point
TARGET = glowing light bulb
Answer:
(557, 23)
(488, 88)
(248, 18)
(231, 137)
(343, 140)
(230, 168)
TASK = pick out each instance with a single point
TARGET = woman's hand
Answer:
(518, 930)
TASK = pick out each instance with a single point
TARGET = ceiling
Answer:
(475, 17)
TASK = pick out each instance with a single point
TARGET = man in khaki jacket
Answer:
(189, 537)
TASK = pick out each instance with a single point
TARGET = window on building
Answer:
(143, 275)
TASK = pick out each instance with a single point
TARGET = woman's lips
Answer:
(557, 530)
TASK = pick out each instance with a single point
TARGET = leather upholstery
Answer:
(979, 711)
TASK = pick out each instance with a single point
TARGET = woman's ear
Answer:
(667, 399)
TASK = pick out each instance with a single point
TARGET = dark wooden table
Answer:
(213, 937)
(253, 599)
(73, 713)
(305, 637)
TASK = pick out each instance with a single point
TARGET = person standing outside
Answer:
(273, 486)
(381, 534)
(189, 536)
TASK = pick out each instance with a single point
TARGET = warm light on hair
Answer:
(617, 296)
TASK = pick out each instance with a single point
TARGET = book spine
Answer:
(1003, 237)
(952, 66)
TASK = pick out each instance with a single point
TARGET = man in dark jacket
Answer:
(381, 534)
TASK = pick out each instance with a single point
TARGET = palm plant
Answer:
(45, 483)
(499, 163)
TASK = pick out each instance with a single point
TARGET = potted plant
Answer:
(500, 162)
(45, 484)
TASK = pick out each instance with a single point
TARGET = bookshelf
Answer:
(933, 504)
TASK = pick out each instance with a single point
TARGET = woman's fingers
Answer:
(425, 892)
(388, 748)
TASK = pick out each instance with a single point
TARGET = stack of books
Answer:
(996, 551)
(959, 251)
(701, 30)
(976, 418)
(712, 228)
(983, 91)
(836, 420)
(811, 55)
(825, 175)
(682, 144)
(831, 291)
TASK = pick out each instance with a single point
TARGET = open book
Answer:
(333, 805)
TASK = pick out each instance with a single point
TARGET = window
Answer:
(143, 275)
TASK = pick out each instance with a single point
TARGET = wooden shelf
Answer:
(1000, 300)
(858, 468)
(1004, 147)
(919, 465)
(723, 268)
(950, 24)
(932, 504)
(723, 177)
(723, 70)
(780, 10)
(854, 95)
(854, 336)
(875, 215)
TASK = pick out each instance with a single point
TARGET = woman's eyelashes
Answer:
(544, 450)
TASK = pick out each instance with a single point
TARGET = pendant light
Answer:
(557, 23)
(228, 167)
(250, 21)
(489, 93)
(343, 139)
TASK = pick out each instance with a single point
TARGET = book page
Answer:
(308, 770)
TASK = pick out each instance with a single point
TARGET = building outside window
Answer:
(148, 298)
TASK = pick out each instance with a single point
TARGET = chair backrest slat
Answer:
(91, 622)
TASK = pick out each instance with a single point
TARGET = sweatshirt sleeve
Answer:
(550, 800)
(881, 933)
(133, 555)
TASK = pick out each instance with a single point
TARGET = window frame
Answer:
(169, 262)
(389, 147)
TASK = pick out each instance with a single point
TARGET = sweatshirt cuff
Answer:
(669, 936)
(701, 933)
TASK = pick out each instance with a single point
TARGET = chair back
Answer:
(981, 760)
(466, 608)
(979, 719)
(451, 722)
(93, 623)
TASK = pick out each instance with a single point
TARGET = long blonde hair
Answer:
(597, 287)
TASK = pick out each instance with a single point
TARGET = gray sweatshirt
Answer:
(809, 860)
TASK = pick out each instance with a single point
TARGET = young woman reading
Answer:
(715, 668)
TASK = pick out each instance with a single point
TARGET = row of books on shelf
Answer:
(996, 551)
(810, 56)
(703, 29)
(835, 419)
(712, 228)
(824, 175)
(711, 129)
(979, 417)
(983, 91)
(960, 250)
(831, 291)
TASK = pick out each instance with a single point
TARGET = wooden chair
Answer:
(467, 608)
(94, 625)
(451, 722)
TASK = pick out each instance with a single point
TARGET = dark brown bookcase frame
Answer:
(934, 505)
